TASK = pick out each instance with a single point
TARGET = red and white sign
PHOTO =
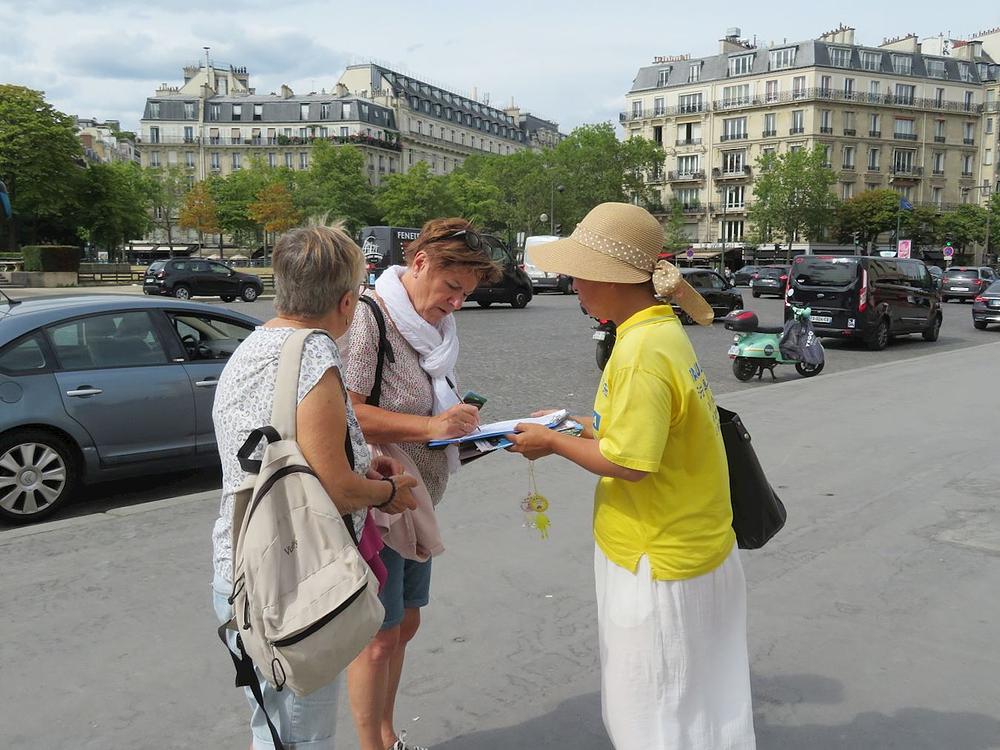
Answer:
(903, 249)
(948, 251)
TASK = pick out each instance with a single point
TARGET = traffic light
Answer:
(558, 229)
(856, 236)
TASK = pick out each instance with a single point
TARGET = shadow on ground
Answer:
(576, 723)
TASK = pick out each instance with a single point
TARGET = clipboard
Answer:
(495, 430)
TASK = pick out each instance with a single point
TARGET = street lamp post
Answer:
(552, 207)
(722, 235)
(987, 190)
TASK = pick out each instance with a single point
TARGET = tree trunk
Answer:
(170, 240)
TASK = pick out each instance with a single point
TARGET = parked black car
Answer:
(986, 307)
(867, 298)
(962, 283)
(743, 276)
(718, 292)
(185, 278)
(514, 286)
(769, 280)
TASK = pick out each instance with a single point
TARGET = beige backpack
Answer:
(305, 602)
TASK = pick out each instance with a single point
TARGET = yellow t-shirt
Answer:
(654, 412)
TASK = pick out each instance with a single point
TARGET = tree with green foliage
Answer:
(410, 199)
(523, 186)
(200, 213)
(477, 200)
(335, 186)
(114, 205)
(168, 187)
(793, 198)
(41, 162)
(868, 214)
(921, 225)
(964, 226)
(233, 195)
(675, 236)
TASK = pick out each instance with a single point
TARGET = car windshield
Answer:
(771, 273)
(747, 269)
(825, 271)
(963, 273)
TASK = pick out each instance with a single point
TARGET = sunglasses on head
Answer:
(473, 240)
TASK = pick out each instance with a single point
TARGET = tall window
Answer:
(154, 110)
(826, 85)
(154, 134)
(873, 159)
(937, 196)
(303, 112)
(732, 161)
(939, 97)
(968, 133)
(740, 65)
(905, 93)
(969, 100)
(782, 58)
(688, 196)
(189, 110)
(689, 103)
(687, 165)
(902, 160)
(289, 160)
(798, 122)
(965, 72)
(258, 112)
(735, 196)
(904, 128)
(694, 73)
(875, 125)
(798, 87)
(874, 90)
(154, 158)
(237, 111)
(303, 160)
(662, 76)
(826, 121)
(849, 88)
(735, 96)
(237, 160)
(324, 111)
(939, 162)
(848, 157)
(770, 124)
(936, 69)
(658, 106)
(939, 130)
(272, 159)
(214, 111)
(967, 165)
(637, 109)
(989, 125)
(732, 231)
(847, 191)
(840, 57)
(345, 111)
(849, 126)
(771, 91)
(215, 160)
(734, 128)
(189, 159)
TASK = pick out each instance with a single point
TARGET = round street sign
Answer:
(689, 253)
(948, 251)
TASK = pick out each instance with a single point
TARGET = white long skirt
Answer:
(674, 668)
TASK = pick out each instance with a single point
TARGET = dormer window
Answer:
(782, 58)
(840, 57)
(694, 73)
(662, 76)
(740, 65)
(902, 64)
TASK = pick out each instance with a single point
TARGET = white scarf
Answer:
(437, 345)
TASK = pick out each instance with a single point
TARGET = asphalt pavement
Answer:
(872, 615)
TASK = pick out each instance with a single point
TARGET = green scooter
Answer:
(757, 347)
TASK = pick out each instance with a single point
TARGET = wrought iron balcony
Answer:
(939, 139)
(689, 141)
(733, 136)
(850, 131)
(825, 130)
(769, 134)
(691, 176)
(905, 136)
(969, 141)
(796, 131)
(874, 133)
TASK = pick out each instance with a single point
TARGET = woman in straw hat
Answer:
(671, 596)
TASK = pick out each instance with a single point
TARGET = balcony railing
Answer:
(686, 176)
(872, 168)
(731, 172)
(939, 139)
(826, 130)
(850, 131)
(796, 131)
(769, 134)
(969, 141)
(848, 166)
(820, 94)
(689, 141)
(734, 136)
(693, 208)
(938, 172)
(907, 171)
(874, 133)
(905, 136)
(966, 173)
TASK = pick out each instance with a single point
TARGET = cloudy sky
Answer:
(571, 61)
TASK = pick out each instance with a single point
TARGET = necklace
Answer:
(535, 505)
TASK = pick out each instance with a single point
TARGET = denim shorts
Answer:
(305, 723)
(407, 586)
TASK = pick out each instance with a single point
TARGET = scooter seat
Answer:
(769, 329)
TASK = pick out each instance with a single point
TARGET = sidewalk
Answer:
(872, 615)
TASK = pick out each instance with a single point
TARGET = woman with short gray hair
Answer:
(317, 273)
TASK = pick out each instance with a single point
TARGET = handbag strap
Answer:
(383, 352)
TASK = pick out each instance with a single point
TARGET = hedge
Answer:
(51, 258)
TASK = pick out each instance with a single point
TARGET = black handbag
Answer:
(758, 513)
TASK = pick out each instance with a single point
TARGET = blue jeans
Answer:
(305, 723)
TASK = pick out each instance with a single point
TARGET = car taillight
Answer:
(755, 276)
(980, 298)
(784, 277)
(863, 294)
(520, 267)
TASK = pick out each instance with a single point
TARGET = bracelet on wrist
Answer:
(392, 493)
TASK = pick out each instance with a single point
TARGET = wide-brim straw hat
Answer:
(620, 243)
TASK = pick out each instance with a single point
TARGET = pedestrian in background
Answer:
(418, 402)
(317, 278)
(671, 595)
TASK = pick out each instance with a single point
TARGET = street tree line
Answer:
(59, 197)
(794, 202)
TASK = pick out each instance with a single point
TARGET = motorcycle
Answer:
(758, 347)
(605, 333)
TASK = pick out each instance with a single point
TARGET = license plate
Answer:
(821, 319)
(734, 350)
(959, 289)
(600, 335)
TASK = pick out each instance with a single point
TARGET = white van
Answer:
(543, 280)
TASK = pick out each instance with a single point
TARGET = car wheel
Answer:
(484, 303)
(744, 368)
(182, 292)
(38, 472)
(227, 298)
(248, 293)
(755, 294)
(808, 371)
(520, 299)
(934, 330)
(880, 338)
(980, 324)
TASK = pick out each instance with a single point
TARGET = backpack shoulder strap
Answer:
(286, 386)
(384, 349)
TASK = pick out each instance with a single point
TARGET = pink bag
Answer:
(369, 546)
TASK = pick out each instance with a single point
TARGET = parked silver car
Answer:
(99, 387)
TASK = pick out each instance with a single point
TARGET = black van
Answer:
(867, 298)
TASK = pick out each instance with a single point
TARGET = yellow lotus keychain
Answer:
(535, 505)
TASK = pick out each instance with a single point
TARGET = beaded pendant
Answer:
(535, 505)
